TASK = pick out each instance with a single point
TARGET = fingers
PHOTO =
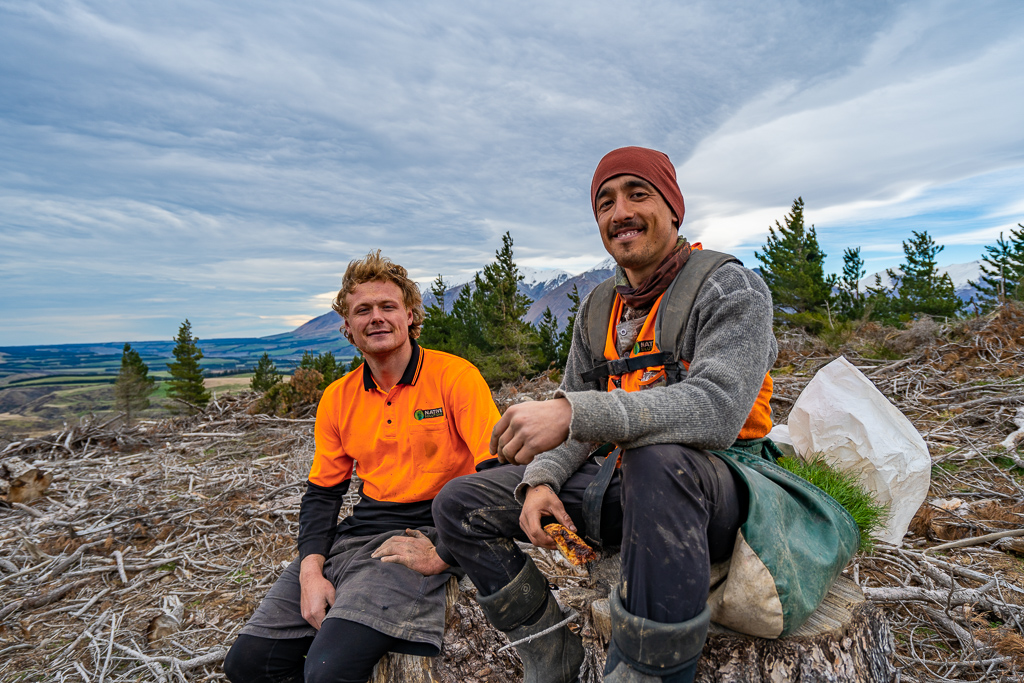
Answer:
(557, 510)
(512, 449)
(498, 430)
(416, 533)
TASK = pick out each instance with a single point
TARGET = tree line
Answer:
(487, 321)
(792, 266)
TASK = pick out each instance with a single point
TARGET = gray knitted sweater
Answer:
(731, 345)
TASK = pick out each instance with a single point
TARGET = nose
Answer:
(623, 211)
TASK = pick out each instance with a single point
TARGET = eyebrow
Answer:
(636, 182)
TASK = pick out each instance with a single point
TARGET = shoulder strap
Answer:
(599, 312)
(674, 312)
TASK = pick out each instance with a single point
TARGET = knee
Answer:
(239, 665)
(450, 506)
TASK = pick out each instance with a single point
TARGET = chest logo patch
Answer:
(643, 346)
(427, 414)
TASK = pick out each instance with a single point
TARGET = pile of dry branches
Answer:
(955, 590)
(152, 546)
(154, 543)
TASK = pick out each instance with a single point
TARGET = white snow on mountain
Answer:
(960, 273)
(545, 276)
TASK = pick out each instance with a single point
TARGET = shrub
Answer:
(289, 398)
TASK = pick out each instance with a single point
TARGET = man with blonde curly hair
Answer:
(413, 419)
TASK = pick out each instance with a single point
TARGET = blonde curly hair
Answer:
(377, 268)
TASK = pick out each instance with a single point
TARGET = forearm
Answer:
(311, 565)
(554, 467)
(318, 517)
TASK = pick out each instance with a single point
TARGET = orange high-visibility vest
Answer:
(646, 364)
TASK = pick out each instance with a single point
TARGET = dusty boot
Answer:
(553, 657)
(645, 651)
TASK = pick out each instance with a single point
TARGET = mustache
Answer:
(628, 224)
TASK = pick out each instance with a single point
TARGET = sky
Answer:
(224, 161)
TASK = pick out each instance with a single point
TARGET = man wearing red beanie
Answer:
(663, 376)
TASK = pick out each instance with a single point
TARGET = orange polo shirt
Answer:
(433, 426)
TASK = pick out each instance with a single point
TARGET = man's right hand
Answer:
(317, 591)
(540, 502)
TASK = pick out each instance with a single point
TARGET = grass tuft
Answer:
(846, 489)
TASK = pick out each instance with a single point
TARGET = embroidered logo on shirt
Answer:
(643, 346)
(427, 414)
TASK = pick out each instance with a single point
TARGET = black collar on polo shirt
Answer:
(408, 377)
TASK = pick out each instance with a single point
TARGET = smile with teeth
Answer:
(626, 234)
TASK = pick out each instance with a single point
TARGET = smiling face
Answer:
(637, 226)
(377, 321)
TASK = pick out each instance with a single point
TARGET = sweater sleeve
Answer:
(733, 347)
(318, 517)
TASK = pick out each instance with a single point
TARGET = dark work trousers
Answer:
(675, 510)
(341, 652)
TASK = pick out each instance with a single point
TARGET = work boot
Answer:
(554, 657)
(645, 651)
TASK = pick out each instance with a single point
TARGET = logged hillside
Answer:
(154, 543)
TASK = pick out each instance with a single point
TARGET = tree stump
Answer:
(847, 640)
(469, 654)
(20, 482)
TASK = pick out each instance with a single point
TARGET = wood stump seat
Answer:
(846, 640)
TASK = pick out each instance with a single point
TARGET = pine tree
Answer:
(508, 340)
(792, 264)
(323, 363)
(565, 338)
(357, 360)
(849, 299)
(920, 288)
(1002, 270)
(133, 385)
(549, 337)
(879, 302)
(265, 374)
(186, 384)
(438, 325)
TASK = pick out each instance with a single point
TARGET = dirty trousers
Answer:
(399, 610)
(674, 510)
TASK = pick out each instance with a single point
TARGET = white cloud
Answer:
(224, 161)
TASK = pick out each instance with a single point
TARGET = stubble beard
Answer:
(632, 255)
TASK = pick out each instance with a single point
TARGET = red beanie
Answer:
(651, 165)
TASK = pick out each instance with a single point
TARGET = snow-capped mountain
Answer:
(962, 274)
(537, 283)
(551, 287)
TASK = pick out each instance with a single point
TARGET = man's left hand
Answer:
(414, 550)
(528, 429)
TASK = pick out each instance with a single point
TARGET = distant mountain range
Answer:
(962, 274)
(547, 289)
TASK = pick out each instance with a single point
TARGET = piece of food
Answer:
(572, 546)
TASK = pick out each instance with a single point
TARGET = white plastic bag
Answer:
(841, 415)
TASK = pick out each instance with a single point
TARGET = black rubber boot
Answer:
(554, 657)
(645, 651)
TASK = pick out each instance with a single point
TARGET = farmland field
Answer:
(42, 387)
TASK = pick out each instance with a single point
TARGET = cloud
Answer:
(230, 157)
